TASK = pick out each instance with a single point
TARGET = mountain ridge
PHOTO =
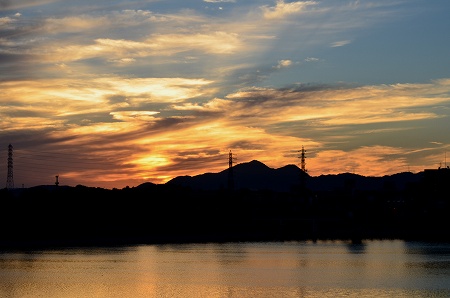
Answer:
(255, 175)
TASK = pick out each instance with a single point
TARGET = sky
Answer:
(112, 93)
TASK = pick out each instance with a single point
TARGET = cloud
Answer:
(220, 1)
(16, 4)
(4, 21)
(72, 24)
(122, 50)
(4, 3)
(215, 42)
(146, 116)
(330, 107)
(312, 59)
(111, 21)
(372, 160)
(283, 63)
(59, 102)
(122, 61)
(282, 9)
(161, 133)
(340, 43)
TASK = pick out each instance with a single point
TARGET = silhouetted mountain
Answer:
(255, 175)
(147, 186)
(366, 183)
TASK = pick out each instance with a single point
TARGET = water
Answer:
(380, 268)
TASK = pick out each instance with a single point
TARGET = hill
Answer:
(255, 175)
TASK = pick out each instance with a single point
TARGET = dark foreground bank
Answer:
(85, 216)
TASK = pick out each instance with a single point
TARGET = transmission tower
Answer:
(230, 171)
(10, 178)
(303, 159)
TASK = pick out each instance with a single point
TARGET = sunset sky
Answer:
(113, 93)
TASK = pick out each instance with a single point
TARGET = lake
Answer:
(373, 268)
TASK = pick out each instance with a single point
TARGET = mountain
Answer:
(333, 182)
(255, 175)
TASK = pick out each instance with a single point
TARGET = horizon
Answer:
(118, 93)
(218, 172)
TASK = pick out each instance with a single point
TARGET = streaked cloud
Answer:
(347, 106)
(340, 43)
(17, 4)
(312, 59)
(242, 121)
(283, 9)
(219, 1)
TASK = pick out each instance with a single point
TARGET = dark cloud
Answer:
(208, 114)
(31, 140)
(249, 76)
(87, 119)
(114, 99)
(195, 160)
(283, 96)
(6, 58)
(310, 87)
(39, 156)
(17, 67)
(246, 145)
(20, 31)
(12, 113)
(5, 3)
(160, 124)
(165, 123)
(18, 55)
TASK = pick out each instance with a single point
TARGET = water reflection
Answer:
(230, 254)
(356, 247)
(287, 269)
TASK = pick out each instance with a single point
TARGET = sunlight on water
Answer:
(288, 269)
